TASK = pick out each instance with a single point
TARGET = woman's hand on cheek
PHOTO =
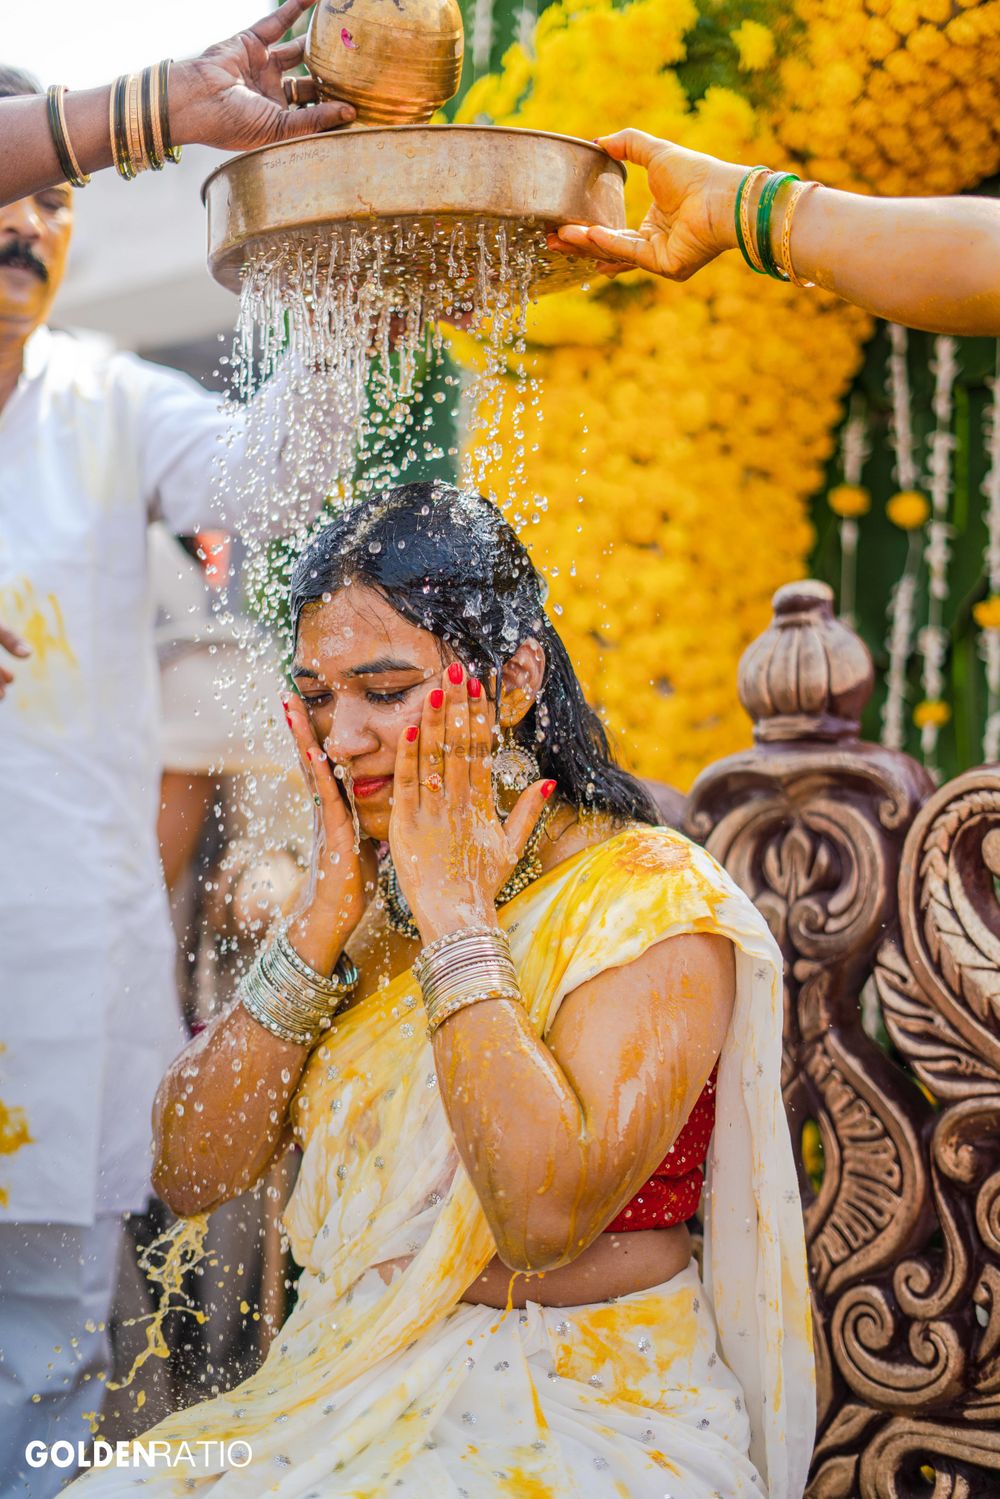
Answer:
(451, 851)
(342, 877)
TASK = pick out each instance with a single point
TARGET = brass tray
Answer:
(419, 183)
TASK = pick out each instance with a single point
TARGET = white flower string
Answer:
(854, 449)
(526, 21)
(933, 638)
(901, 603)
(990, 636)
(482, 35)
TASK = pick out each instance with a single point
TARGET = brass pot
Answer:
(396, 61)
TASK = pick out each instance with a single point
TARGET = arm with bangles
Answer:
(231, 97)
(930, 263)
(221, 1112)
(556, 1135)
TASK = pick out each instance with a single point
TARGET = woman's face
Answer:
(363, 672)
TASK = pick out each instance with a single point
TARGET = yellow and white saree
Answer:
(388, 1384)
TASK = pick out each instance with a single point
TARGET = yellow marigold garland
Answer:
(684, 428)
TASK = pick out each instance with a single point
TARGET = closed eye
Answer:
(388, 697)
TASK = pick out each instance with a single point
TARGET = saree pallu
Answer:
(383, 1381)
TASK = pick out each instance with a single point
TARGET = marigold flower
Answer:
(755, 44)
(931, 712)
(987, 613)
(849, 501)
(908, 509)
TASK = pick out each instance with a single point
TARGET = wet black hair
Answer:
(15, 81)
(446, 560)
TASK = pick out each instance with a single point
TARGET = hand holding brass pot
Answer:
(396, 61)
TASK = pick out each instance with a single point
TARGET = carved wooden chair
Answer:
(882, 894)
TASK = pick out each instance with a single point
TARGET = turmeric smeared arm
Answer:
(558, 1135)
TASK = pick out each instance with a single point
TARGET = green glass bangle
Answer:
(123, 161)
(170, 151)
(739, 227)
(776, 181)
(156, 162)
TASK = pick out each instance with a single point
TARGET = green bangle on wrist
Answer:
(765, 250)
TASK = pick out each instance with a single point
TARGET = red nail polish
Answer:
(437, 698)
(411, 733)
(455, 672)
(475, 687)
(547, 789)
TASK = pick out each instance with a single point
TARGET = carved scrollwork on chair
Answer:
(940, 992)
(811, 823)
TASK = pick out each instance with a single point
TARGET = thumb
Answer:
(326, 116)
(13, 643)
(630, 145)
(527, 810)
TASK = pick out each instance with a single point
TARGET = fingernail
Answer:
(475, 687)
(412, 732)
(437, 698)
(547, 789)
(455, 672)
(347, 113)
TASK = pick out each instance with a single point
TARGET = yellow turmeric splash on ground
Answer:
(166, 1262)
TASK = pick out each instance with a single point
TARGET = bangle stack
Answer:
(463, 968)
(139, 120)
(756, 242)
(68, 163)
(290, 999)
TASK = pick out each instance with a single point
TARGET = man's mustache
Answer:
(20, 256)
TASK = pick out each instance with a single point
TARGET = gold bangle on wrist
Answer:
(750, 182)
(138, 158)
(785, 252)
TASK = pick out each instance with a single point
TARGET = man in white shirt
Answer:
(92, 447)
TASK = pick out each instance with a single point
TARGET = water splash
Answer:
(338, 344)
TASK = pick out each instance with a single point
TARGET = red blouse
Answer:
(673, 1191)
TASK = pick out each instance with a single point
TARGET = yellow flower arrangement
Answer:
(849, 501)
(683, 429)
(987, 613)
(908, 509)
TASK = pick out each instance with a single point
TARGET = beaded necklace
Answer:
(525, 872)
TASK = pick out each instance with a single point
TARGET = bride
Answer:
(501, 1047)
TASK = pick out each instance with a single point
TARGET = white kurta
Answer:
(92, 446)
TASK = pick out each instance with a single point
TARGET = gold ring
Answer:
(292, 90)
(433, 782)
